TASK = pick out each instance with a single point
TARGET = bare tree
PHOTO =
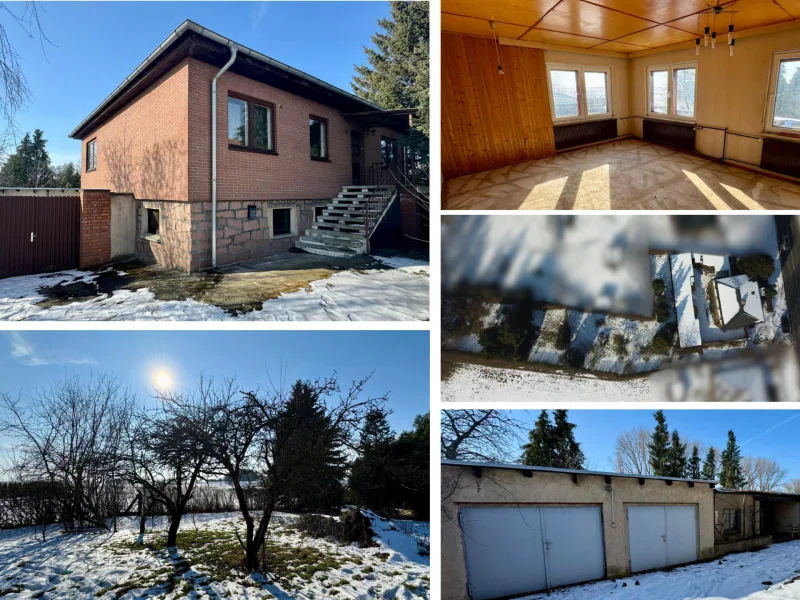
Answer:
(792, 486)
(762, 474)
(632, 454)
(69, 436)
(480, 435)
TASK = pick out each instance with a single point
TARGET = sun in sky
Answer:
(162, 379)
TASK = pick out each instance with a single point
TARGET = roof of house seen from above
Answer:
(198, 42)
(739, 301)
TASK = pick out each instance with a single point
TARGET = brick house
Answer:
(293, 154)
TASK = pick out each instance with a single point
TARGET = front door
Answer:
(355, 150)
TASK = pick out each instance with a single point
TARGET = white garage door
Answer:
(520, 549)
(661, 536)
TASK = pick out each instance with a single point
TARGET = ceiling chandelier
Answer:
(714, 12)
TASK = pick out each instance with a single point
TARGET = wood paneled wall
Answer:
(491, 120)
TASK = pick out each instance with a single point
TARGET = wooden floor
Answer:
(626, 174)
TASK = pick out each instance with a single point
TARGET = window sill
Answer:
(571, 120)
(320, 159)
(91, 170)
(249, 149)
(678, 120)
(150, 237)
(283, 236)
(784, 137)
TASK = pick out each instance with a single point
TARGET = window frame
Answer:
(251, 103)
(292, 222)
(91, 166)
(395, 148)
(583, 110)
(671, 115)
(326, 156)
(772, 94)
(737, 521)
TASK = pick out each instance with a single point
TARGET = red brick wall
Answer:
(95, 228)
(291, 174)
(143, 149)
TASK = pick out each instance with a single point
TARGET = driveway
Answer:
(293, 286)
(766, 575)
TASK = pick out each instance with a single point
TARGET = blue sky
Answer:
(400, 360)
(767, 433)
(95, 45)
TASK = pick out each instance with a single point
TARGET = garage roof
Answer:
(490, 465)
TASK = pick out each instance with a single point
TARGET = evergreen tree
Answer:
(677, 456)
(67, 175)
(568, 453)
(731, 476)
(709, 470)
(376, 429)
(539, 450)
(659, 446)
(693, 468)
(30, 165)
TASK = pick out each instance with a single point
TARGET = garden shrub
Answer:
(756, 266)
(352, 527)
(514, 335)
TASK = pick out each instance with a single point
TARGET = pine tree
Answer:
(568, 453)
(693, 468)
(709, 471)
(731, 476)
(30, 165)
(539, 450)
(659, 446)
(676, 456)
(376, 431)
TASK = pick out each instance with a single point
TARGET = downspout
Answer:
(234, 50)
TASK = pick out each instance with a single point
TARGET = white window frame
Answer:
(582, 108)
(670, 69)
(777, 57)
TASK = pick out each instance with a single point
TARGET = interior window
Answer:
(237, 121)
(659, 91)
(318, 138)
(671, 90)
(786, 113)
(684, 86)
(578, 93)
(281, 221)
(596, 84)
(565, 93)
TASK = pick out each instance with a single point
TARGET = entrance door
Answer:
(38, 234)
(355, 151)
(661, 536)
(513, 550)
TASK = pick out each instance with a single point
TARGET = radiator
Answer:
(781, 157)
(578, 134)
(673, 134)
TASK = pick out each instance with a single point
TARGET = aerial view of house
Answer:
(620, 105)
(619, 308)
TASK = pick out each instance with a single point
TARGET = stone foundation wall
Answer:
(758, 543)
(173, 246)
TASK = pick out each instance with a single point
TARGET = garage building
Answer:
(509, 530)
(745, 520)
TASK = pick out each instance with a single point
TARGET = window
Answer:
(251, 212)
(671, 91)
(153, 221)
(730, 520)
(318, 212)
(388, 152)
(281, 221)
(91, 155)
(578, 93)
(783, 108)
(319, 137)
(251, 124)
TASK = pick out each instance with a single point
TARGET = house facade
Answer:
(286, 144)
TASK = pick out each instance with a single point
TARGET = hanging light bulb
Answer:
(713, 39)
(731, 46)
(705, 36)
(730, 33)
(497, 49)
(697, 47)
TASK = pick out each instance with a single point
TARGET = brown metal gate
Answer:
(39, 234)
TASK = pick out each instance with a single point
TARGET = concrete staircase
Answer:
(341, 230)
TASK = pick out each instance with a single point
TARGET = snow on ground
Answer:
(764, 575)
(474, 383)
(398, 293)
(111, 565)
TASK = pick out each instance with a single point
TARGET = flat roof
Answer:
(688, 325)
(784, 495)
(513, 467)
(191, 26)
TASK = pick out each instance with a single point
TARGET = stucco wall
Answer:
(747, 506)
(731, 91)
(786, 514)
(289, 175)
(501, 486)
(143, 149)
(620, 83)
(123, 225)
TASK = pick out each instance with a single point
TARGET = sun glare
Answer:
(163, 379)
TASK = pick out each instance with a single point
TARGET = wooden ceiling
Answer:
(623, 26)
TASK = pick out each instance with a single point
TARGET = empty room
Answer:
(621, 105)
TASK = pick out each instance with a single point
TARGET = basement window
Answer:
(283, 222)
(318, 129)
(318, 212)
(578, 92)
(153, 221)
(731, 521)
(251, 212)
(783, 108)
(91, 155)
(671, 91)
